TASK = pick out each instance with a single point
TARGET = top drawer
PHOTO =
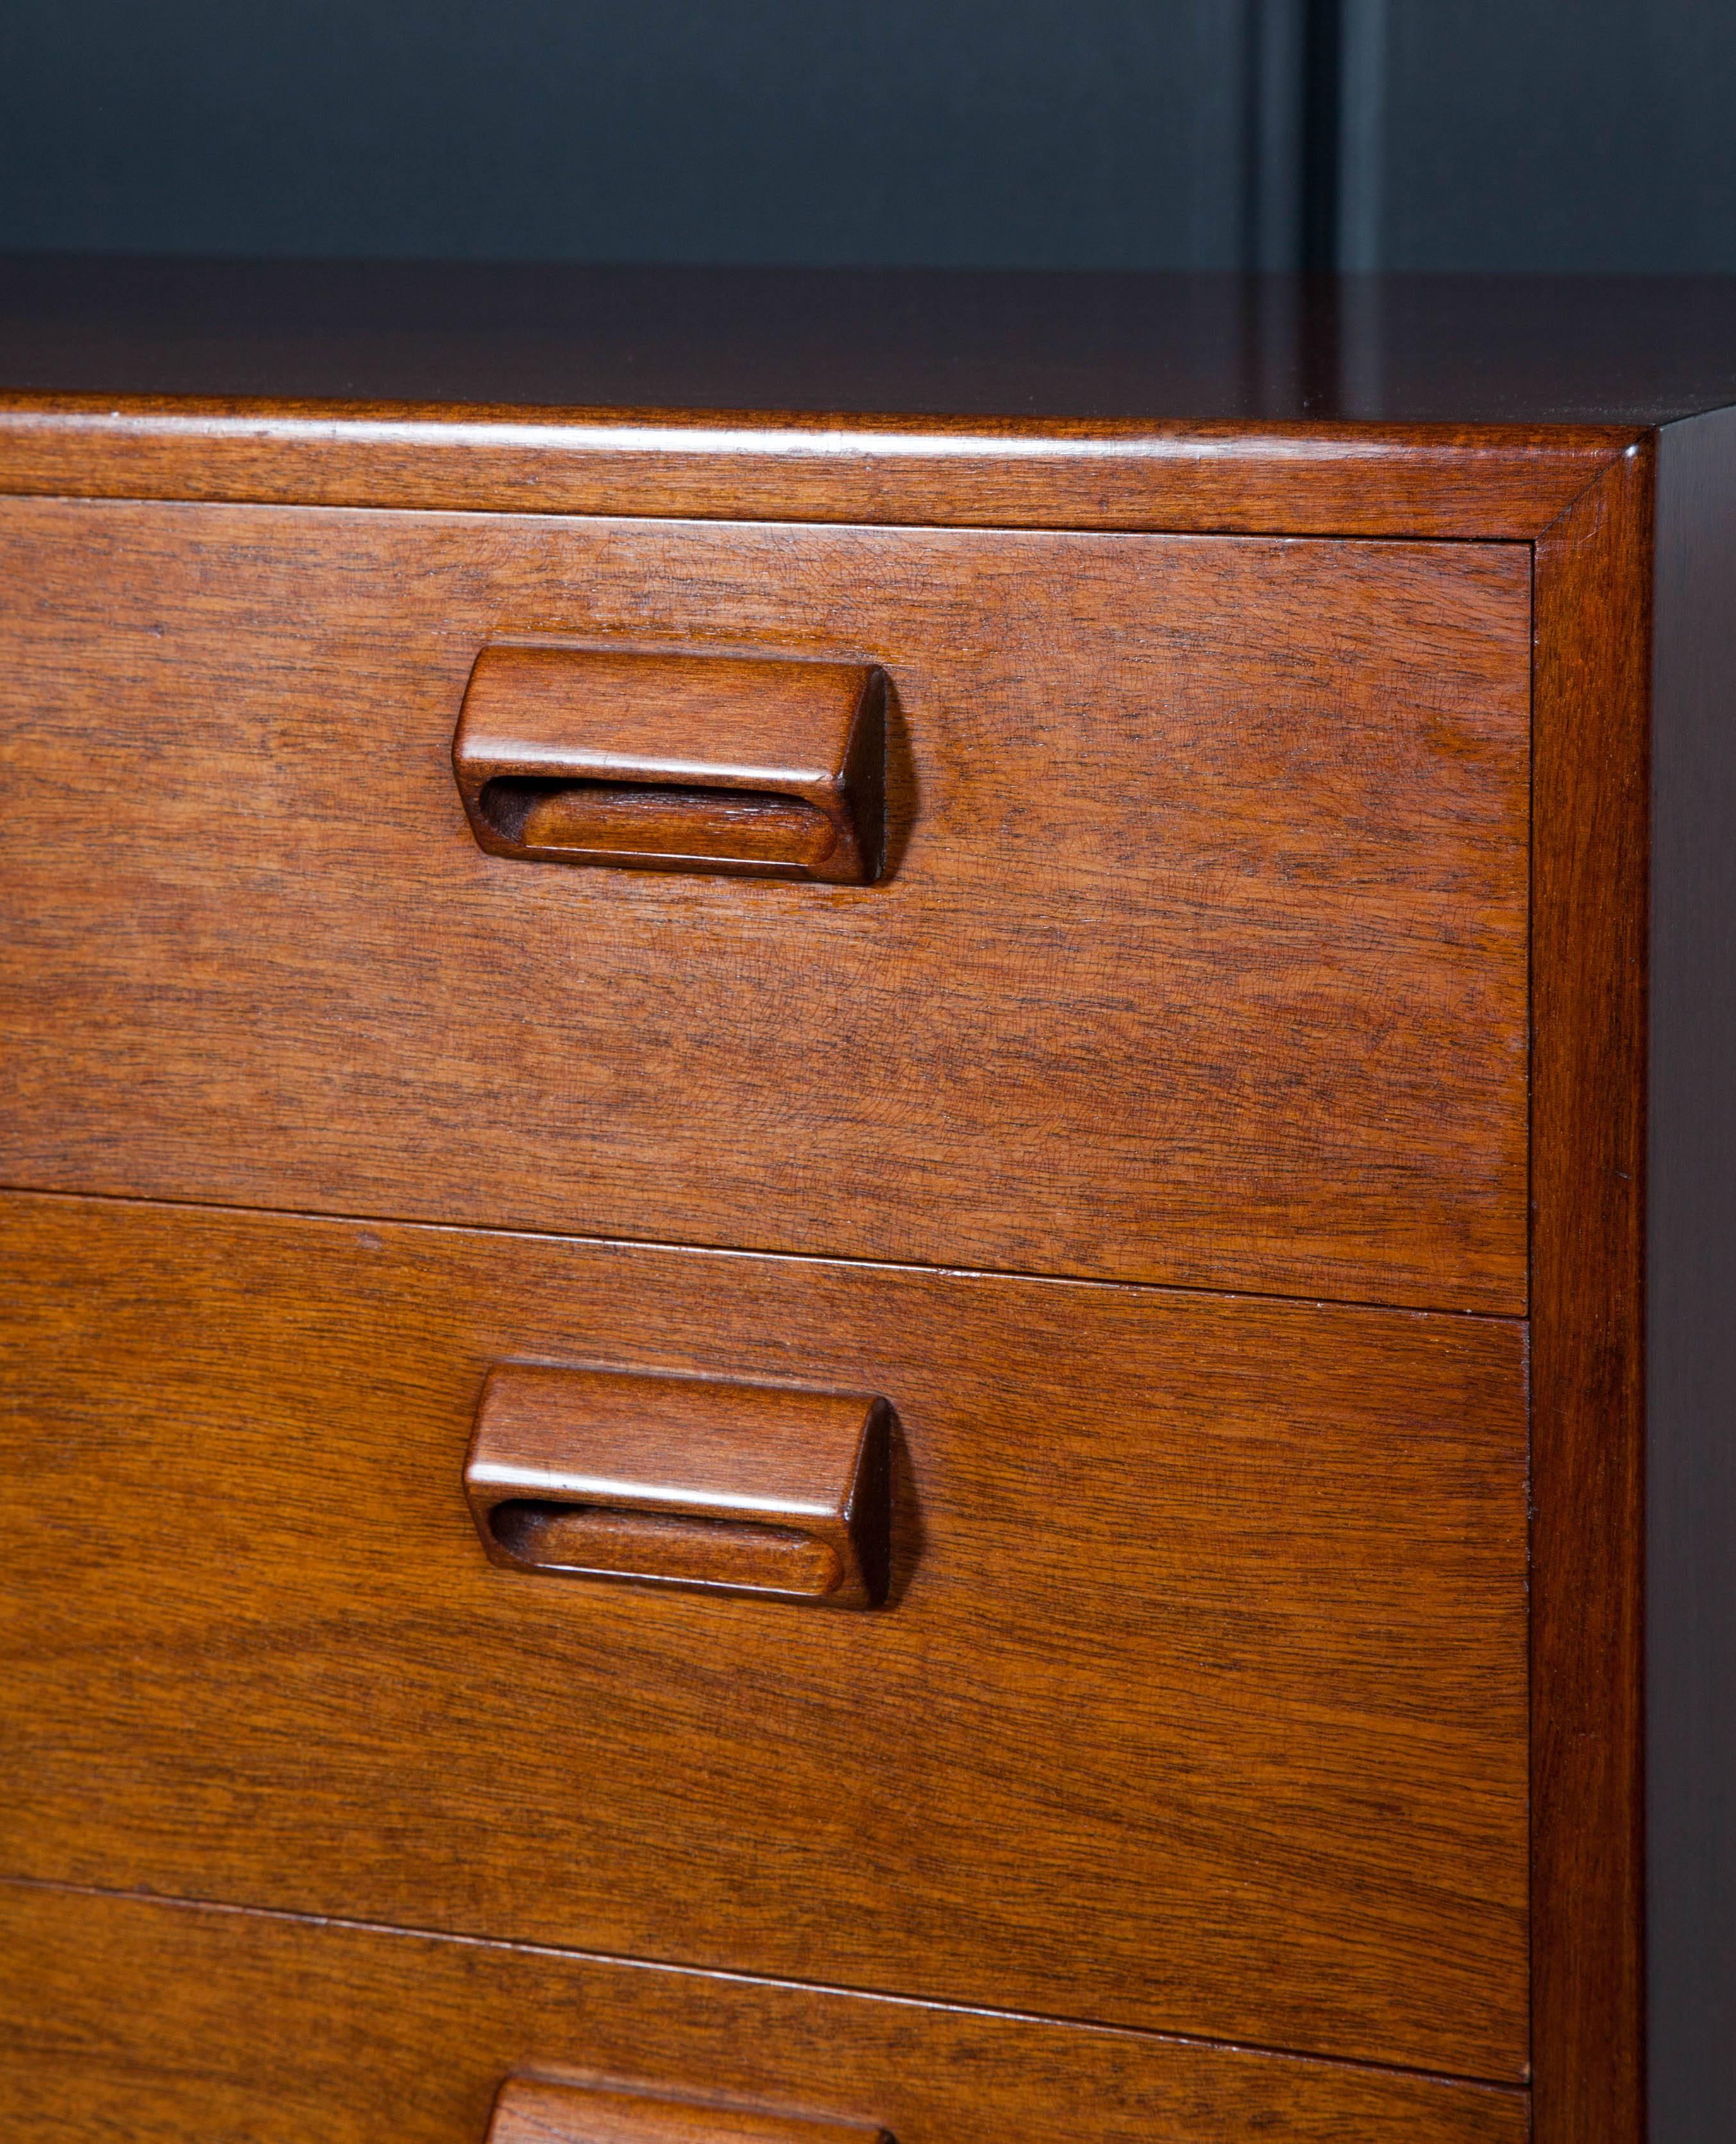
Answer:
(1200, 955)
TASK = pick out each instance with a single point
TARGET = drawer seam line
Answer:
(1463, 2081)
(515, 1233)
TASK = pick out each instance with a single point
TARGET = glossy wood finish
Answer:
(1200, 957)
(691, 1481)
(121, 2017)
(530, 2111)
(1392, 411)
(1243, 351)
(772, 770)
(1444, 481)
(1198, 1701)
(1588, 1279)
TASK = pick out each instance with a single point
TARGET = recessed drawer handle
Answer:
(530, 2112)
(683, 1481)
(697, 763)
(599, 1539)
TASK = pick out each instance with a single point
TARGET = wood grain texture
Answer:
(124, 2018)
(693, 1480)
(1417, 480)
(1591, 860)
(775, 769)
(1690, 1610)
(530, 2111)
(1200, 955)
(1199, 1701)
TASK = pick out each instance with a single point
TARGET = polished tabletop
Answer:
(1471, 349)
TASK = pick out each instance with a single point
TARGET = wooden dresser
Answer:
(868, 1272)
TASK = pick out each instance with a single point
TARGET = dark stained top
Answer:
(897, 341)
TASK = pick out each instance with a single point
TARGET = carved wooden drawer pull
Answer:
(682, 1482)
(530, 2112)
(689, 763)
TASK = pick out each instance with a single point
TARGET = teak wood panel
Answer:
(125, 2019)
(1589, 1432)
(1197, 1701)
(1501, 480)
(1200, 955)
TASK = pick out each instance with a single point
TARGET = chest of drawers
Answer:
(866, 1274)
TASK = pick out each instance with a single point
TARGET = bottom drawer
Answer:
(129, 2017)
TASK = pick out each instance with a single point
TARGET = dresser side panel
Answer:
(1691, 1308)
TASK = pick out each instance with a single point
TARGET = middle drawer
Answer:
(1198, 1701)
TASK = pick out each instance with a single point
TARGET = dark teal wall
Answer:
(1593, 134)
(1023, 132)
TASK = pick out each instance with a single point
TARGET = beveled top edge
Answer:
(1330, 477)
(554, 425)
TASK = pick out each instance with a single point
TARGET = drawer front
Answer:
(120, 2018)
(1199, 956)
(1196, 1698)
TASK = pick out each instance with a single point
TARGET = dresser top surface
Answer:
(1162, 347)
